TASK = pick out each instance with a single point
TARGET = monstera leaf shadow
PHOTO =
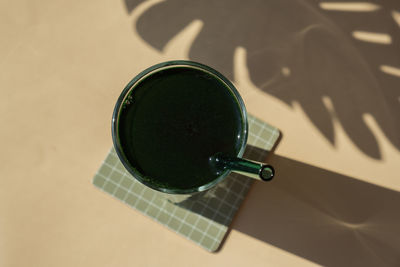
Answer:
(296, 52)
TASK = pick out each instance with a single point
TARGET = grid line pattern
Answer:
(203, 218)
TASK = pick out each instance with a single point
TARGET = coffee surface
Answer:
(173, 121)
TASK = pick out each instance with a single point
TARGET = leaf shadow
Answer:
(314, 45)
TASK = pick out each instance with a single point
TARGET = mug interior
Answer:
(144, 75)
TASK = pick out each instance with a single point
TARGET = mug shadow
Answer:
(323, 216)
(326, 217)
(298, 51)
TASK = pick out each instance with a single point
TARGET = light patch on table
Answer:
(349, 6)
(373, 37)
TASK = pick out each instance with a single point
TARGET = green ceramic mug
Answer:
(180, 128)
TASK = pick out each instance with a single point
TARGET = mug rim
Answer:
(131, 85)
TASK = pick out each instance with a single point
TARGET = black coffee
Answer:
(174, 121)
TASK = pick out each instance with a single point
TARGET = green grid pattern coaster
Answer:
(204, 218)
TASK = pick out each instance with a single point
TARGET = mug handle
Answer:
(252, 169)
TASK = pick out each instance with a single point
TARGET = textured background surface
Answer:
(302, 66)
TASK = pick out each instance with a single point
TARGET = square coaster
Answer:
(203, 219)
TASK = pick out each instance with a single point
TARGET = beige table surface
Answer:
(327, 74)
